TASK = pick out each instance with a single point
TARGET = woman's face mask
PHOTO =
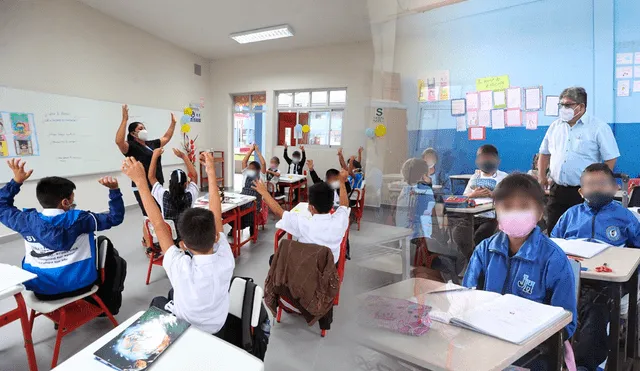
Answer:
(143, 134)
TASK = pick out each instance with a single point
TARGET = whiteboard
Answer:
(69, 136)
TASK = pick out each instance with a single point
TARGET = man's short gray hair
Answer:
(576, 94)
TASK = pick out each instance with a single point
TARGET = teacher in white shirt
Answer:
(572, 142)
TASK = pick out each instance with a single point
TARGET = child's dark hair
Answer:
(132, 127)
(414, 169)
(50, 191)
(275, 159)
(331, 172)
(177, 192)
(197, 229)
(255, 164)
(356, 164)
(321, 197)
(296, 154)
(488, 149)
(430, 151)
(599, 168)
(521, 184)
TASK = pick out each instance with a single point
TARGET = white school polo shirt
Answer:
(321, 229)
(201, 285)
(478, 179)
(572, 149)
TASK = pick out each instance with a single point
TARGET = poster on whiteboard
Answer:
(18, 137)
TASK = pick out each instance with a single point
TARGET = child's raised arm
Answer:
(344, 195)
(285, 154)
(343, 164)
(263, 163)
(154, 165)
(245, 160)
(191, 170)
(135, 171)
(261, 188)
(215, 204)
(11, 216)
(360, 154)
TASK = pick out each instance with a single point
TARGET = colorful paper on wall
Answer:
(533, 98)
(472, 118)
(492, 83)
(458, 107)
(486, 100)
(636, 72)
(636, 58)
(472, 101)
(514, 117)
(477, 133)
(531, 120)
(461, 123)
(624, 58)
(623, 88)
(435, 86)
(497, 119)
(636, 86)
(484, 118)
(514, 98)
(499, 99)
(18, 136)
(625, 72)
(551, 105)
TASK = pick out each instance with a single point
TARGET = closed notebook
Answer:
(139, 345)
(510, 318)
(580, 248)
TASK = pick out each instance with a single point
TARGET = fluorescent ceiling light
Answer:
(263, 34)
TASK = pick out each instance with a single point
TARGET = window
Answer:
(322, 110)
(248, 119)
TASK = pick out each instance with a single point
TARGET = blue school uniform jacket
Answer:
(540, 271)
(613, 224)
(59, 246)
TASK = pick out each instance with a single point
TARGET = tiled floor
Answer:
(293, 345)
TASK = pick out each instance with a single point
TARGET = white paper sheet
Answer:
(461, 123)
(472, 118)
(532, 99)
(484, 118)
(472, 101)
(477, 133)
(514, 117)
(458, 107)
(551, 105)
(446, 305)
(514, 98)
(623, 88)
(580, 248)
(10, 275)
(636, 86)
(531, 120)
(497, 119)
(625, 72)
(624, 58)
(499, 99)
(486, 100)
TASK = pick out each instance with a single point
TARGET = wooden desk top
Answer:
(623, 262)
(471, 210)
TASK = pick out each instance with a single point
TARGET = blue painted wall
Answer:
(551, 43)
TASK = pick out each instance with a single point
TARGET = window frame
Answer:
(327, 107)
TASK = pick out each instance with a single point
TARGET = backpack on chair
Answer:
(115, 268)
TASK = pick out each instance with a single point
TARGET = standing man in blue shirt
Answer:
(572, 142)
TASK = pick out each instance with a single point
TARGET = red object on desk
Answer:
(604, 269)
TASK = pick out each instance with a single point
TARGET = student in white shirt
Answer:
(481, 185)
(200, 293)
(183, 190)
(323, 228)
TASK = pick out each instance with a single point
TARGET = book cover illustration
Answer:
(140, 344)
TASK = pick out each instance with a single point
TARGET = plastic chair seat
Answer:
(46, 307)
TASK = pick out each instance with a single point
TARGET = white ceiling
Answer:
(203, 26)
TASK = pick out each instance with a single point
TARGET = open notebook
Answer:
(580, 248)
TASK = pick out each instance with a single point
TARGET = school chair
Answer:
(20, 313)
(358, 209)
(282, 199)
(634, 197)
(262, 216)
(284, 303)
(154, 251)
(71, 313)
(625, 187)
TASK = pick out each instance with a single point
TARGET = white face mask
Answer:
(296, 160)
(334, 184)
(143, 134)
(431, 164)
(566, 114)
(251, 173)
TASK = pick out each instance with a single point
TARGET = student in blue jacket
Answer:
(59, 241)
(604, 220)
(519, 259)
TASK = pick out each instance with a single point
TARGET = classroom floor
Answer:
(293, 345)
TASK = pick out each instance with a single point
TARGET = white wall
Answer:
(65, 47)
(345, 65)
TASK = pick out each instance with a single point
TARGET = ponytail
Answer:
(177, 198)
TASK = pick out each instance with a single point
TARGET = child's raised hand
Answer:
(260, 187)
(286, 145)
(208, 163)
(20, 175)
(302, 148)
(360, 149)
(340, 151)
(178, 153)
(344, 175)
(109, 182)
(310, 165)
(134, 170)
(158, 152)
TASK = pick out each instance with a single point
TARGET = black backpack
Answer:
(115, 272)
(238, 331)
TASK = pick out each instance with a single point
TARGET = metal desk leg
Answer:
(406, 257)
(556, 351)
(632, 316)
(472, 220)
(614, 327)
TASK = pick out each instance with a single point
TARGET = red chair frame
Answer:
(154, 250)
(341, 266)
(358, 209)
(20, 313)
(238, 226)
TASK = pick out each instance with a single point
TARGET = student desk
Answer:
(447, 347)
(293, 181)
(374, 234)
(462, 177)
(470, 213)
(194, 350)
(19, 313)
(624, 263)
